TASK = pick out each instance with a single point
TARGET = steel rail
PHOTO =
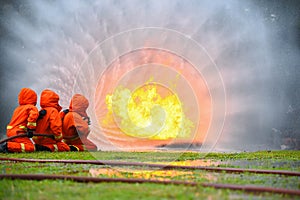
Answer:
(245, 188)
(161, 166)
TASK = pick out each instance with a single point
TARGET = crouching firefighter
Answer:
(76, 125)
(50, 123)
(23, 121)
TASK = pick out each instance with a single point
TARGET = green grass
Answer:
(161, 156)
(70, 190)
(59, 189)
(266, 155)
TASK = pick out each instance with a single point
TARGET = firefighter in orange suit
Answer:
(50, 123)
(76, 125)
(23, 121)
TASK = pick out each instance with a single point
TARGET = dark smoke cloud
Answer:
(255, 45)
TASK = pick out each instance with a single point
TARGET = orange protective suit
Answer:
(50, 123)
(76, 125)
(24, 117)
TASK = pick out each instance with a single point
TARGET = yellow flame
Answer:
(147, 113)
(145, 174)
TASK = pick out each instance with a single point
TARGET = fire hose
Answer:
(34, 134)
(162, 166)
(83, 179)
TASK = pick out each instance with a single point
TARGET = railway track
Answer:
(245, 188)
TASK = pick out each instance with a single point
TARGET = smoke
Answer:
(44, 43)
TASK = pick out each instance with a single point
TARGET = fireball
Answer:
(151, 97)
(146, 113)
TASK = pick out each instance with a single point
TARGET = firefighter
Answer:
(23, 121)
(76, 125)
(50, 123)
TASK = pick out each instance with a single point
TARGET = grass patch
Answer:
(59, 189)
(70, 190)
(160, 156)
(265, 155)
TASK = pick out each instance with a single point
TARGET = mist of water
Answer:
(46, 42)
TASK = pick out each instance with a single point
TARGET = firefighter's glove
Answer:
(42, 113)
(30, 133)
